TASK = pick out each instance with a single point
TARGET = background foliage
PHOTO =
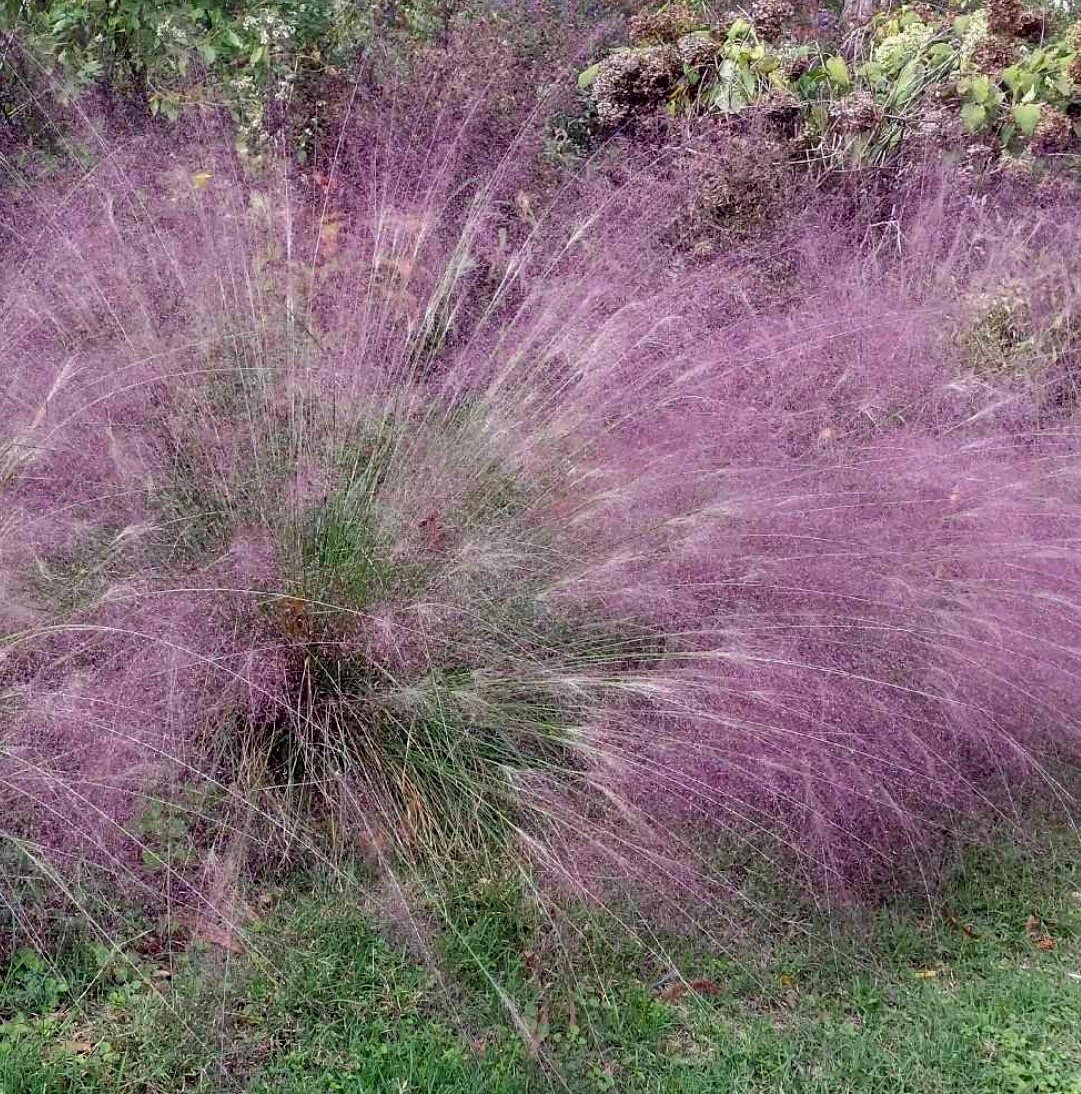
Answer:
(255, 58)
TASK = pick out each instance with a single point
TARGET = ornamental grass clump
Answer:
(404, 513)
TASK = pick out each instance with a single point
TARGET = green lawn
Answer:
(979, 990)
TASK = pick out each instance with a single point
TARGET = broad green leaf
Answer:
(979, 88)
(837, 71)
(1018, 80)
(873, 72)
(907, 83)
(974, 115)
(941, 52)
(587, 76)
(1027, 116)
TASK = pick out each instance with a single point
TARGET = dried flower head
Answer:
(634, 80)
(771, 17)
(1054, 133)
(668, 25)
(698, 49)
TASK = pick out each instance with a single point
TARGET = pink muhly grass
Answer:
(403, 513)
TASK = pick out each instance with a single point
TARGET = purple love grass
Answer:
(852, 552)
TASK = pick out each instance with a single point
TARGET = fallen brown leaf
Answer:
(220, 935)
(523, 203)
(679, 988)
(330, 232)
(1037, 935)
(531, 962)
(957, 925)
(705, 987)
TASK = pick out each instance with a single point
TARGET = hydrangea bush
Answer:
(912, 73)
